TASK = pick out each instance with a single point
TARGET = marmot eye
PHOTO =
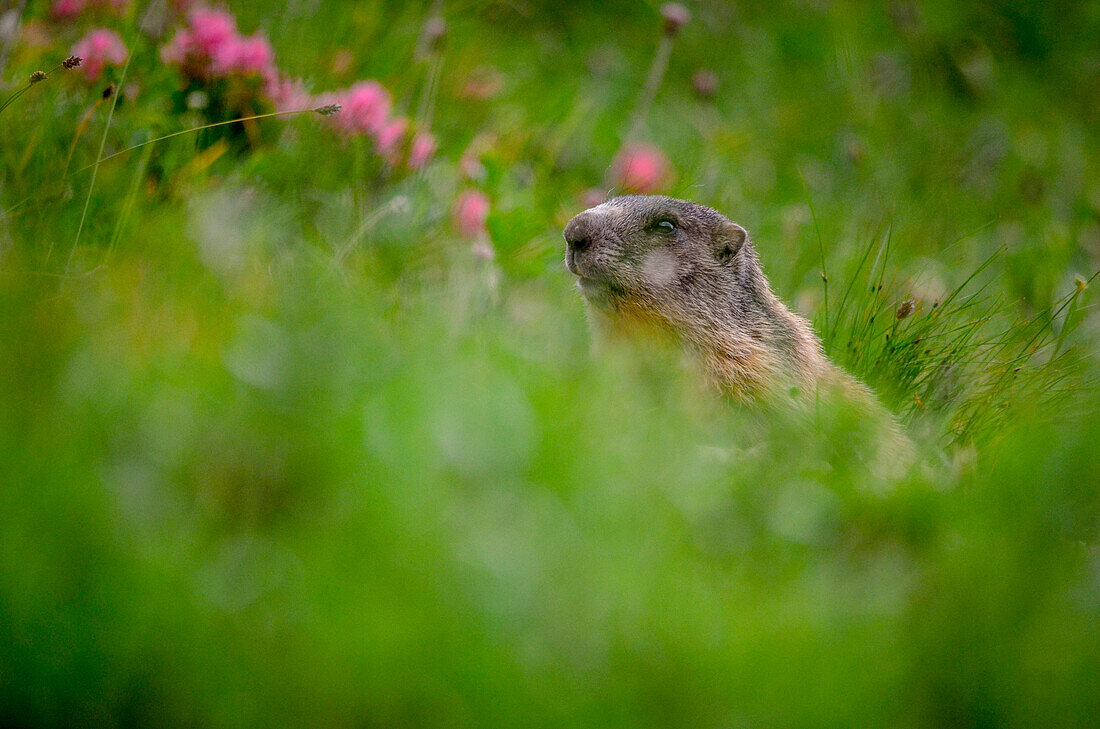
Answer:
(665, 226)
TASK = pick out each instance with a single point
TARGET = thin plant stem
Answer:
(821, 251)
(69, 159)
(851, 283)
(99, 159)
(426, 107)
(32, 198)
(11, 99)
(80, 128)
(1067, 323)
(195, 129)
(652, 83)
(128, 206)
(369, 221)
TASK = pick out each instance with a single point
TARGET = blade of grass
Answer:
(128, 205)
(196, 129)
(852, 282)
(821, 252)
(99, 158)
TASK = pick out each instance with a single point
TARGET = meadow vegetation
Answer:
(300, 423)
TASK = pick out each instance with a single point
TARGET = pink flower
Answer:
(392, 133)
(641, 168)
(470, 213)
(177, 49)
(675, 17)
(210, 30)
(288, 94)
(99, 48)
(423, 147)
(366, 108)
(67, 9)
(211, 46)
(245, 56)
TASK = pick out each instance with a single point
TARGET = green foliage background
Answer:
(278, 450)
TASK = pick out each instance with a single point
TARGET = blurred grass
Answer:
(277, 449)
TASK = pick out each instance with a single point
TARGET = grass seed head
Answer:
(38, 76)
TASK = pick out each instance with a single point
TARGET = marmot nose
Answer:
(577, 236)
(577, 244)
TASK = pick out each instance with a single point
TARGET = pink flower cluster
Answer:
(69, 9)
(423, 148)
(641, 168)
(210, 45)
(99, 48)
(366, 108)
(289, 95)
(470, 212)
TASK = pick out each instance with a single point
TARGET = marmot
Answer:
(673, 267)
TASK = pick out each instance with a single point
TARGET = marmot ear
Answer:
(728, 241)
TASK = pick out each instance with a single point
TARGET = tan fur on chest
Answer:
(740, 367)
(633, 319)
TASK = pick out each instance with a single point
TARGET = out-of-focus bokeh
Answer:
(300, 423)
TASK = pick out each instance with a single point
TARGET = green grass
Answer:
(277, 448)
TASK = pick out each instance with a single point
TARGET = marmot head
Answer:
(649, 249)
(672, 268)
